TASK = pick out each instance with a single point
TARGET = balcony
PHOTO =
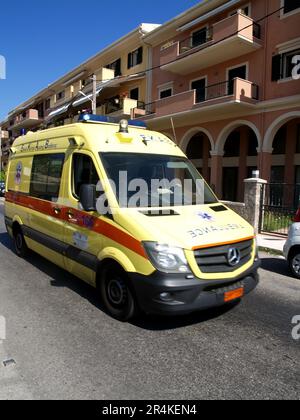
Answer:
(28, 119)
(228, 39)
(118, 107)
(226, 96)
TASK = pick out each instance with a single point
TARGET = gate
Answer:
(279, 203)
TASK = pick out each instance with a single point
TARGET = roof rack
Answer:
(85, 118)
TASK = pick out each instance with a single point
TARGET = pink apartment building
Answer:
(226, 73)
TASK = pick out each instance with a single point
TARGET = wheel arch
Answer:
(293, 250)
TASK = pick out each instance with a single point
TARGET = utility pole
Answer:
(94, 100)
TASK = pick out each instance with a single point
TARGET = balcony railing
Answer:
(123, 106)
(231, 37)
(26, 119)
(238, 90)
(194, 42)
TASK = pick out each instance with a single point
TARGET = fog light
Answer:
(166, 297)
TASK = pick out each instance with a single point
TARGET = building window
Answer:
(116, 66)
(46, 176)
(200, 87)
(282, 65)
(165, 93)
(60, 96)
(199, 37)
(135, 58)
(134, 94)
(290, 5)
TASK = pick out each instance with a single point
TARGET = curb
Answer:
(271, 251)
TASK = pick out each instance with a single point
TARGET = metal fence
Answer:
(279, 203)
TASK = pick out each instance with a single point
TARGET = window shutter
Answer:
(276, 68)
(129, 61)
(140, 55)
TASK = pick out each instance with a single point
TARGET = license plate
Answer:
(234, 294)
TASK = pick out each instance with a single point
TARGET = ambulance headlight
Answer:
(166, 258)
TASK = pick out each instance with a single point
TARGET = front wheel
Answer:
(294, 262)
(115, 293)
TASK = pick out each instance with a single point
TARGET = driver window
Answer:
(84, 172)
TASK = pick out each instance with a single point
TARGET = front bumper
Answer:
(187, 295)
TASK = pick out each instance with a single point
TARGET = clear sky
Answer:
(42, 40)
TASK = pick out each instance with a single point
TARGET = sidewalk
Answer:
(272, 243)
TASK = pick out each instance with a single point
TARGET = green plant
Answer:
(2, 176)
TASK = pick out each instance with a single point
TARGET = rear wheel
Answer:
(20, 244)
(294, 262)
(116, 294)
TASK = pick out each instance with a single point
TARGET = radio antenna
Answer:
(173, 128)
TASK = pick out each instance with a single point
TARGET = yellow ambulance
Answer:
(123, 209)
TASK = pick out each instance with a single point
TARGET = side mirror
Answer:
(87, 197)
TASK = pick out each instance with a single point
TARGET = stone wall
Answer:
(250, 209)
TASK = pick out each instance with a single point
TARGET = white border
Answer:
(236, 67)
(166, 86)
(286, 15)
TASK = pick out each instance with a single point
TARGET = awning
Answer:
(59, 111)
(106, 84)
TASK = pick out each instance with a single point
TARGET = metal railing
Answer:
(195, 42)
(279, 203)
(219, 90)
(206, 36)
(207, 93)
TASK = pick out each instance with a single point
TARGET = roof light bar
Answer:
(111, 120)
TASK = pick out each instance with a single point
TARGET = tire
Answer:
(115, 293)
(294, 263)
(20, 244)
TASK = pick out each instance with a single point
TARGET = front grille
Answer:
(215, 260)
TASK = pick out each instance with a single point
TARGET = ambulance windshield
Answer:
(149, 180)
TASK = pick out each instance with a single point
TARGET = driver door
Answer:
(84, 243)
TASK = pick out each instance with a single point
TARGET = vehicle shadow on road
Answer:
(164, 323)
(275, 265)
(5, 240)
(62, 278)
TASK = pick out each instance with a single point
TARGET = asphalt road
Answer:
(66, 347)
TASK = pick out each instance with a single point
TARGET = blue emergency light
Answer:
(111, 120)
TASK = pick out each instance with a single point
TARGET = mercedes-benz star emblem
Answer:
(234, 257)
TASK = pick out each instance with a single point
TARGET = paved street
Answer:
(66, 347)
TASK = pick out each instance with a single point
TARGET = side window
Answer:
(46, 176)
(84, 172)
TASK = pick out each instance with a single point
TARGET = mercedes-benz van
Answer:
(122, 208)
